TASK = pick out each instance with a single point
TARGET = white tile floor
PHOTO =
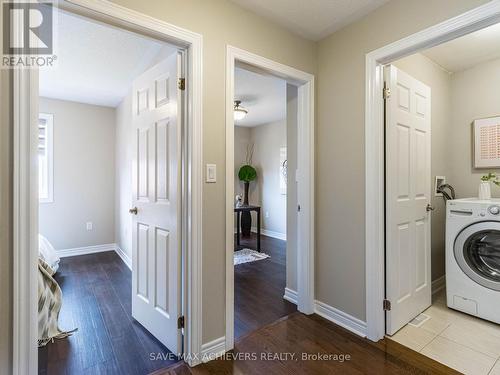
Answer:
(465, 343)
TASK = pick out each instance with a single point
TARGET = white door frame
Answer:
(463, 24)
(305, 144)
(25, 203)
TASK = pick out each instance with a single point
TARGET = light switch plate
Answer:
(211, 173)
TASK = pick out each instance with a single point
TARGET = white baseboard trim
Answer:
(213, 349)
(340, 318)
(96, 249)
(291, 295)
(86, 250)
(438, 284)
(124, 256)
(270, 233)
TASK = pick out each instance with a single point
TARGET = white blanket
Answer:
(48, 253)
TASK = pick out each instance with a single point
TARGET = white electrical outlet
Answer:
(267, 214)
(90, 226)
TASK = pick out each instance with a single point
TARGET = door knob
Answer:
(133, 210)
(429, 207)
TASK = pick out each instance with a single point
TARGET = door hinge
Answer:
(180, 322)
(387, 92)
(387, 305)
(181, 83)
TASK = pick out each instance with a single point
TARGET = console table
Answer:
(245, 208)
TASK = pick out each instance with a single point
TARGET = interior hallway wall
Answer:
(474, 96)
(84, 178)
(340, 142)
(267, 140)
(265, 190)
(427, 71)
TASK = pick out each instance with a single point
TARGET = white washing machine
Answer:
(473, 257)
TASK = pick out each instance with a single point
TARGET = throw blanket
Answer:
(49, 305)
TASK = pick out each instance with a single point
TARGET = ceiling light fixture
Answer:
(239, 112)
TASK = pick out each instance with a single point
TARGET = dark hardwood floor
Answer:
(259, 287)
(292, 345)
(97, 299)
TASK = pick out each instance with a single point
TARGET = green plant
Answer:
(491, 177)
(247, 173)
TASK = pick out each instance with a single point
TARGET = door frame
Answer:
(473, 20)
(25, 202)
(305, 140)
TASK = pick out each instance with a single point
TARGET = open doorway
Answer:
(265, 158)
(441, 151)
(291, 198)
(110, 155)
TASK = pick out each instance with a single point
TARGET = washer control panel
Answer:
(494, 210)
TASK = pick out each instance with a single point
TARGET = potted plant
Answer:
(484, 186)
(247, 174)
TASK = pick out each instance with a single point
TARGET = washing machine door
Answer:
(477, 252)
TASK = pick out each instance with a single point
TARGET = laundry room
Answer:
(442, 190)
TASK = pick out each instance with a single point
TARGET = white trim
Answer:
(213, 349)
(25, 204)
(49, 144)
(124, 256)
(291, 295)
(25, 222)
(63, 253)
(305, 146)
(84, 250)
(340, 318)
(270, 233)
(466, 23)
(438, 285)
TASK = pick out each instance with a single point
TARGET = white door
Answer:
(408, 192)
(156, 276)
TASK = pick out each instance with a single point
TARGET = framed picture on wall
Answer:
(486, 136)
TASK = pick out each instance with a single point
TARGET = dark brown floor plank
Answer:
(297, 334)
(97, 300)
(259, 287)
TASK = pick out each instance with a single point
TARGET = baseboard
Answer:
(86, 250)
(340, 318)
(270, 233)
(124, 256)
(290, 295)
(213, 349)
(438, 284)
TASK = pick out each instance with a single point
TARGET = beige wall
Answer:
(425, 70)
(123, 175)
(242, 138)
(267, 140)
(265, 190)
(474, 96)
(340, 168)
(84, 149)
(221, 23)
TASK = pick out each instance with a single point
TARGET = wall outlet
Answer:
(90, 226)
(266, 215)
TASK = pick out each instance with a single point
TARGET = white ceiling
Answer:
(312, 19)
(470, 50)
(96, 63)
(264, 96)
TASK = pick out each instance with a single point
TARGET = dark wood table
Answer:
(247, 208)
